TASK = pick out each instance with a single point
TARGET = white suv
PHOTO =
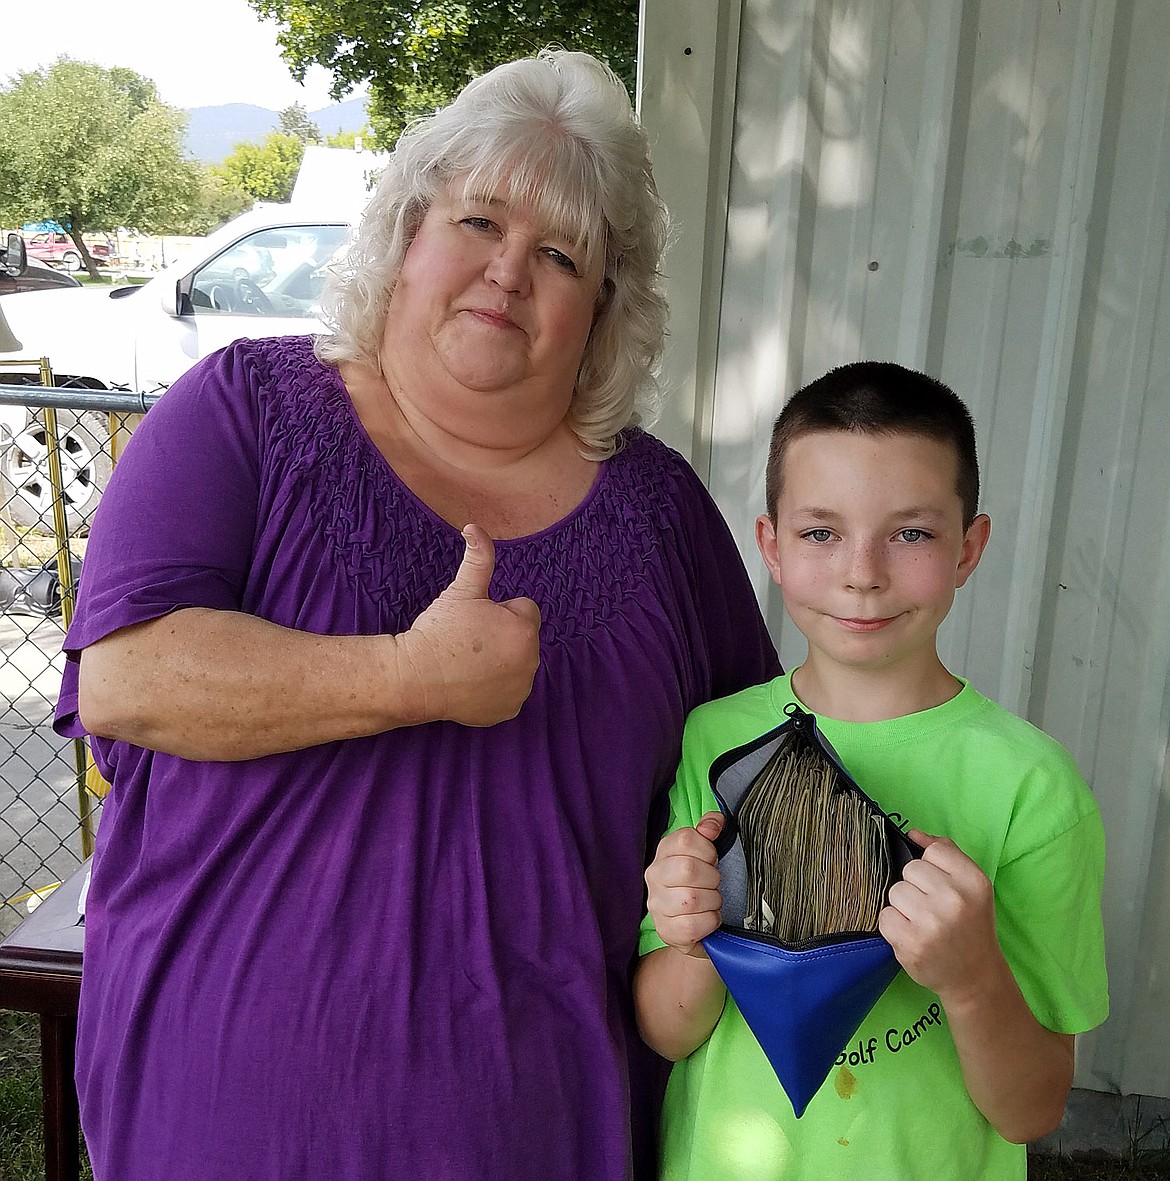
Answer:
(259, 275)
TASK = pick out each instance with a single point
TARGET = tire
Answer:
(71, 261)
(85, 471)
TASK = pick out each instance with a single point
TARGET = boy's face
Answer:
(869, 547)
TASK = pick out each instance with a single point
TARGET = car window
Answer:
(274, 272)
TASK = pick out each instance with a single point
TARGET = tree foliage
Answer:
(217, 200)
(267, 171)
(295, 120)
(417, 55)
(93, 149)
(348, 139)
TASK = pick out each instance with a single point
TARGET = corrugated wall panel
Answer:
(981, 190)
(1103, 645)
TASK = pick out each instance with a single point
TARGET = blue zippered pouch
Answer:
(806, 860)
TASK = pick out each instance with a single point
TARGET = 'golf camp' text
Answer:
(895, 1039)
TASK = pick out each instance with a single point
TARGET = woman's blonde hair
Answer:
(556, 130)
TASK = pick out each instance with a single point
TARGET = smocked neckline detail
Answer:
(580, 570)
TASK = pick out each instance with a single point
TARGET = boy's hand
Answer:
(940, 919)
(683, 886)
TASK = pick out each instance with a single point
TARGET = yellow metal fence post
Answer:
(68, 598)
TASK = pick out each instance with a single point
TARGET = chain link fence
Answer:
(58, 446)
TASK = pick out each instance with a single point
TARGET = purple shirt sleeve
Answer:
(176, 523)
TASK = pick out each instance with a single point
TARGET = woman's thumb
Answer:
(475, 571)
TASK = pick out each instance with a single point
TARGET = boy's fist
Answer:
(940, 920)
(682, 886)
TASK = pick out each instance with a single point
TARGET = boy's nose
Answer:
(865, 570)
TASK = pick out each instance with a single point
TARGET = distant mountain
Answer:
(212, 132)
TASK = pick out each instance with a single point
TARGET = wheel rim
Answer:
(72, 262)
(28, 471)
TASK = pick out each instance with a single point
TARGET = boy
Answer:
(872, 490)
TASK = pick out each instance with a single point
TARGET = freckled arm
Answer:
(224, 686)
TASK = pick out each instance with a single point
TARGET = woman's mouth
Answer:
(493, 317)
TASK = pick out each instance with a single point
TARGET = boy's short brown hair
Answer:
(878, 398)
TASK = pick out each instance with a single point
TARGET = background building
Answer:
(978, 189)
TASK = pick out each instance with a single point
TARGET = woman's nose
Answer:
(510, 268)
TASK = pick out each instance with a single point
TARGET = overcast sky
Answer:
(203, 54)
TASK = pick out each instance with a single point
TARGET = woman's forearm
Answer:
(221, 685)
(224, 686)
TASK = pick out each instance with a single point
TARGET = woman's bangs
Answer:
(551, 175)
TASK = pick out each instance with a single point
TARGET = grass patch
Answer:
(107, 280)
(22, 1156)
(1152, 1166)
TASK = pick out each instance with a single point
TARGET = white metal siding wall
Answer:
(980, 190)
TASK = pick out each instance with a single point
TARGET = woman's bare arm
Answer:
(222, 685)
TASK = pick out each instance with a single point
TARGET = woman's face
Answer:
(488, 297)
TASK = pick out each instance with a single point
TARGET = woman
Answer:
(368, 882)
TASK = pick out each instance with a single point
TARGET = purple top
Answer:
(405, 955)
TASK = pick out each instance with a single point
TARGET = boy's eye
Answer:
(914, 535)
(819, 536)
(561, 259)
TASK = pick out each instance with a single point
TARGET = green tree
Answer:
(267, 171)
(93, 149)
(348, 139)
(295, 120)
(417, 55)
(217, 200)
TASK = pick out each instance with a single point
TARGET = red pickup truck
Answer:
(59, 249)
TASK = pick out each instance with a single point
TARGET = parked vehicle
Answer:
(18, 274)
(33, 590)
(58, 249)
(260, 275)
(36, 276)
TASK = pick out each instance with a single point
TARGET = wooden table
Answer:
(40, 972)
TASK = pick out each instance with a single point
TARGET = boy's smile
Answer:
(868, 549)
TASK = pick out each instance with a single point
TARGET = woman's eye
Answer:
(819, 536)
(561, 259)
(477, 223)
(914, 535)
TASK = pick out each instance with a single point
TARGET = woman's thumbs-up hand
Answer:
(474, 659)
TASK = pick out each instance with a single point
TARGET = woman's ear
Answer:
(974, 543)
(766, 542)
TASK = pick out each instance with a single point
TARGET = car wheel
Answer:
(71, 260)
(85, 470)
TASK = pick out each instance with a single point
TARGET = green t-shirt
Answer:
(894, 1107)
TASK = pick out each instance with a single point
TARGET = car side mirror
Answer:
(176, 301)
(15, 255)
